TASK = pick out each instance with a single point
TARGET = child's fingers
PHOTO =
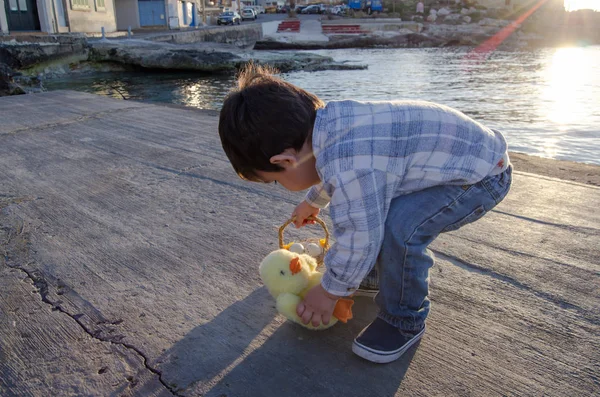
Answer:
(306, 316)
(326, 319)
(300, 309)
(316, 320)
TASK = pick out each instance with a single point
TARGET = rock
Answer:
(5, 79)
(443, 12)
(7, 85)
(465, 11)
(207, 57)
(466, 19)
(164, 57)
(472, 10)
(412, 40)
(431, 17)
(18, 53)
(433, 11)
(500, 23)
(493, 13)
(453, 19)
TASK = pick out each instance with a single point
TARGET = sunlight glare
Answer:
(574, 5)
(567, 77)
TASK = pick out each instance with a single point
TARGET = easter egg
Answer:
(297, 248)
(314, 250)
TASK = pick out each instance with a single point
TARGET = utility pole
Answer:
(203, 11)
(239, 10)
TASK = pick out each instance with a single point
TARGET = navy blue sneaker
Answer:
(383, 343)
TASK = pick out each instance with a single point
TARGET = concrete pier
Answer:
(129, 268)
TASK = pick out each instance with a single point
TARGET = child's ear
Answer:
(285, 159)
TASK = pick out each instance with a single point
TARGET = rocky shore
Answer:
(28, 60)
(205, 57)
(25, 61)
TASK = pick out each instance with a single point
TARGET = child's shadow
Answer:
(292, 361)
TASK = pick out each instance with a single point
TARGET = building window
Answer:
(80, 4)
(100, 5)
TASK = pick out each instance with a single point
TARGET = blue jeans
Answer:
(413, 222)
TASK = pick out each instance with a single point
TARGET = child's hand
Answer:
(303, 211)
(317, 306)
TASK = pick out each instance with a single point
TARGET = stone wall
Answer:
(378, 24)
(241, 36)
(26, 51)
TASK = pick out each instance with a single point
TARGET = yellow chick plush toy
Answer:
(289, 276)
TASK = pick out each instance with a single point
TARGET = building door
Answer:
(152, 12)
(22, 14)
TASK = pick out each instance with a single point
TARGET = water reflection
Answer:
(568, 74)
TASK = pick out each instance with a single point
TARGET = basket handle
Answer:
(310, 218)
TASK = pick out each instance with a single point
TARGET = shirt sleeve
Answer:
(359, 205)
(317, 196)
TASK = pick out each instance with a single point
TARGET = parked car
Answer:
(284, 9)
(248, 13)
(229, 18)
(259, 9)
(300, 8)
(336, 10)
(313, 9)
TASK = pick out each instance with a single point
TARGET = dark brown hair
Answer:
(262, 117)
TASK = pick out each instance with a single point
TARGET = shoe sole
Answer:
(384, 357)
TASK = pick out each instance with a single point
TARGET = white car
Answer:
(248, 14)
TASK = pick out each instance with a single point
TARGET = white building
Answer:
(89, 16)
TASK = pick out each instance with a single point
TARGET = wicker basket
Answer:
(323, 243)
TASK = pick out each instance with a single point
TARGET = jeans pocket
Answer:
(472, 217)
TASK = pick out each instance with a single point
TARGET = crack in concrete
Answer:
(595, 320)
(41, 285)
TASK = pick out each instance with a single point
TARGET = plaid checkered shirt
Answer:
(368, 153)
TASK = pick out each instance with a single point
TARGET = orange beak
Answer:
(295, 266)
